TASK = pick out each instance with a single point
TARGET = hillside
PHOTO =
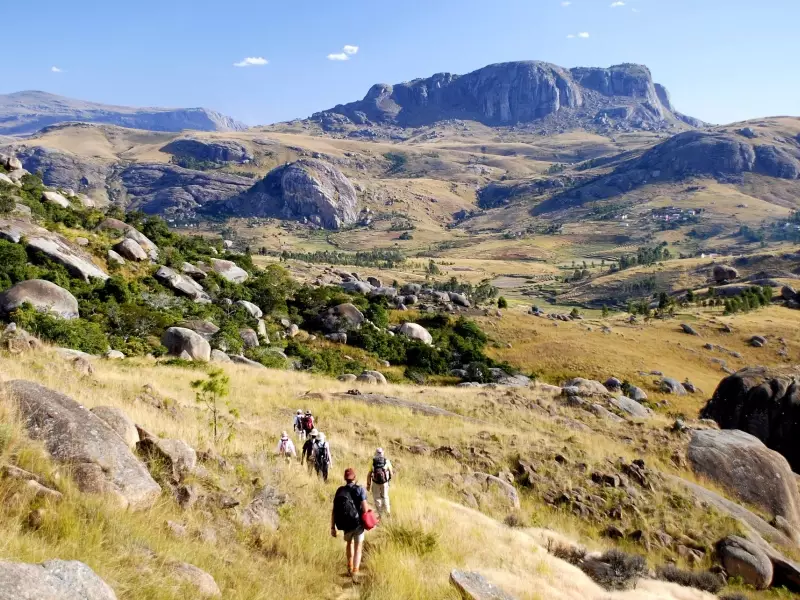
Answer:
(27, 112)
(514, 463)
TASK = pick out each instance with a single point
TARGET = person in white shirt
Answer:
(378, 481)
(286, 448)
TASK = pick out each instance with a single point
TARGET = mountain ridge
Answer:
(517, 92)
(28, 111)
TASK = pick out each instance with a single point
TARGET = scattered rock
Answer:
(263, 510)
(51, 197)
(229, 270)
(131, 250)
(342, 318)
(415, 332)
(473, 586)
(202, 582)
(688, 329)
(347, 377)
(187, 344)
(52, 580)
(218, 356)
(43, 295)
(101, 461)
(758, 341)
(114, 355)
(206, 329)
(670, 385)
(249, 337)
(115, 258)
(375, 377)
(630, 407)
(251, 309)
(182, 284)
(745, 559)
(176, 455)
(241, 360)
(724, 273)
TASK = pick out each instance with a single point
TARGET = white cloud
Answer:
(583, 34)
(617, 4)
(571, 36)
(56, 70)
(566, 3)
(348, 50)
(252, 61)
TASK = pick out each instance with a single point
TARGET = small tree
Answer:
(212, 394)
(502, 302)
(605, 311)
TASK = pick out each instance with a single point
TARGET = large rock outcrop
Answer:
(63, 169)
(99, 459)
(53, 246)
(27, 112)
(44, 296)
(745, 466)
(308, 190)
(764, 403)
(158, 188)
(52, 580)
(185, 343)
(509, 93)
(208, 150)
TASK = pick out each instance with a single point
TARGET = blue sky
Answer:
(722, 60)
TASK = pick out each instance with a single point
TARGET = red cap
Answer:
(349, 474)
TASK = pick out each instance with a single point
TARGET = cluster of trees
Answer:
(645, 256)
(751, 299)
(382, 259)
(478, 294)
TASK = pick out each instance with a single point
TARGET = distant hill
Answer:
(516, 93)
(29, 111)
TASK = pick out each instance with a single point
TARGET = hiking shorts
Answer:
(356, 535)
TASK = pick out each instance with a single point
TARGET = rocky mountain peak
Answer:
(512, 93)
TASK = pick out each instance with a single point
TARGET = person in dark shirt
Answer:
(307, 452)
(349, 503)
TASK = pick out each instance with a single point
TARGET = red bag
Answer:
(369, 520)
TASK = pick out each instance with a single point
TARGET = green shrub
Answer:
(78, 334)
(502, 302)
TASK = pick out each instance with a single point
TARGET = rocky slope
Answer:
(515, 92)
(29, 111)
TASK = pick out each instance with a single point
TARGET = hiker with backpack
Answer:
(322, 456)
(286, 448)
(297, 426)
(307, 423)
(378, 480)
(351, 515)
(307, 453)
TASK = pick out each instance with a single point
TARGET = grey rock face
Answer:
(218, 356)
(175, 454)
(28, 111)
(131, 250)
(241, 360)
(415, 332)
(745, 559)
(220, 151)
(342, 318)
(743, 464)
(764, 403)
(263, 509)
(182, 284)
(372, 377)
(99, 458)
(51, 197)
(52, 580)
(251, 308)
(119, 422)
(473, 586)
(249, 338)
(670, 385)
(630, 407)
(45, 296)
(185, 343)
(158, 188)
(207, 329)
(308, 189)
(776, 162)
(229, 270)
(62, 169)
(53, 245)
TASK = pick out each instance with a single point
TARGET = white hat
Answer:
(299, 411)
(379, 451)
(314, 432)
(321, 436)
(284, 436)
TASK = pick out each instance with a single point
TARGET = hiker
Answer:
(297, 426)
(378, 480)
(286, 448)
(322, 457)
(349, 504)
(307, 453)
(307, 423)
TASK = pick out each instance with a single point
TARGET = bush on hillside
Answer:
(701, 580)
(78, 334)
